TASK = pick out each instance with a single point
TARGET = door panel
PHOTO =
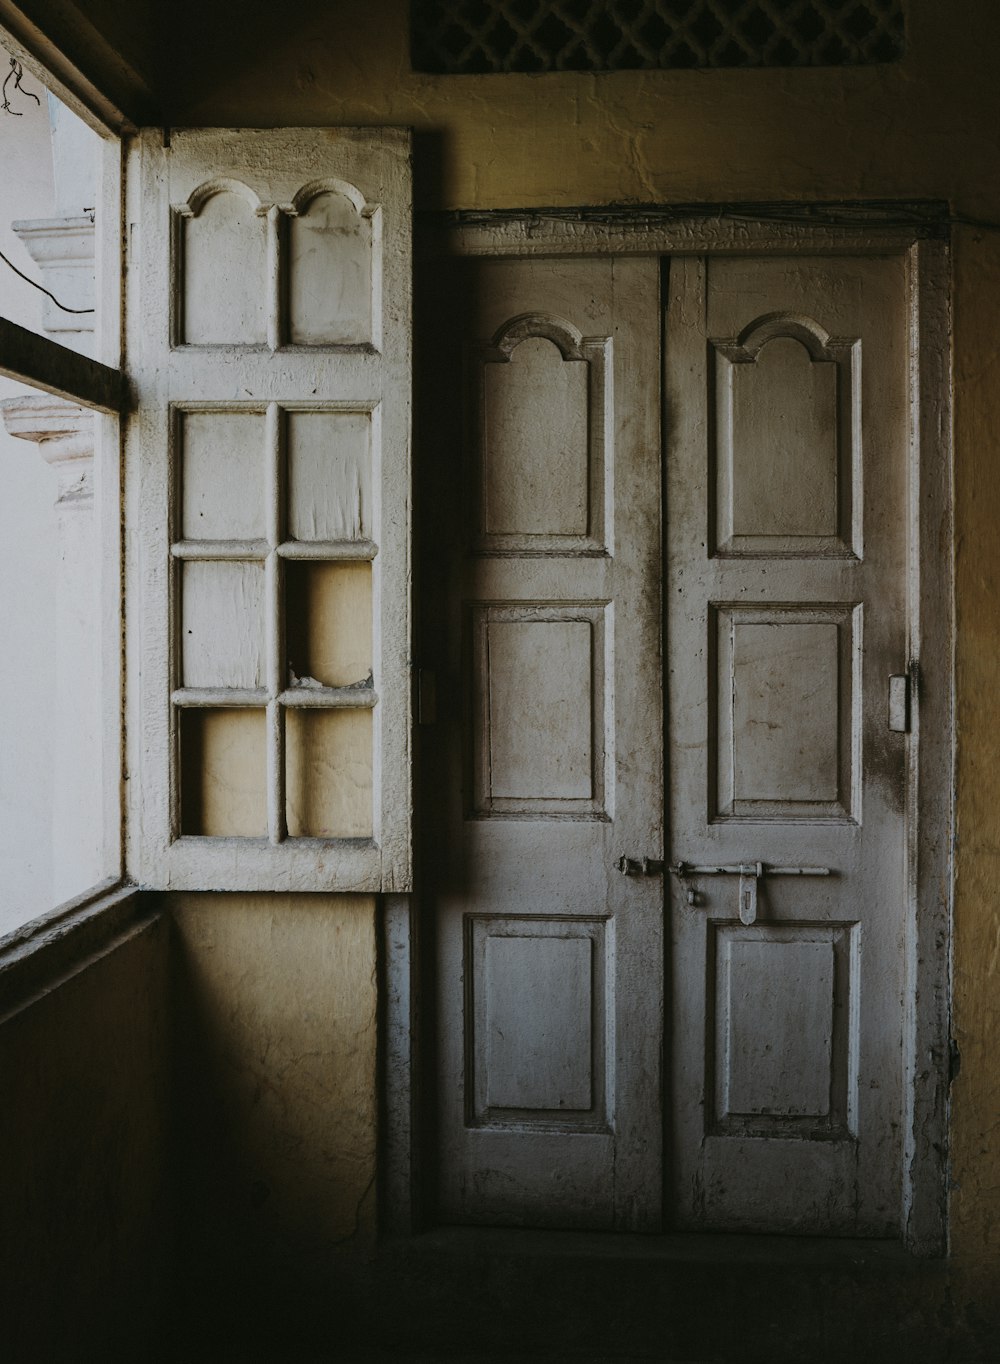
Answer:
(545, 764)
(786, 426)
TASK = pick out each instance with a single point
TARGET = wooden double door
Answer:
(662, 808)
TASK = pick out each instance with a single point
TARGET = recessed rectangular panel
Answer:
(536, 456)
(222, 624)
(785, 444)
(784, 689)
(329, 475)
(223, 773)
(536, 1022)
(779, 1017)
(329, 266)
(222, 475)
(539, 1013)
(787, 733)
(544, 412)
(328, 618)
(223, 276)
(538, 741)
(781, 1055)
(328, 783)
(541, 710)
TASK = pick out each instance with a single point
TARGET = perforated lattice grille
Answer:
(475, 36)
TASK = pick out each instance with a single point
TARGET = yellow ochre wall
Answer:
(975, 1128)
(274, 1082)
(923, 127)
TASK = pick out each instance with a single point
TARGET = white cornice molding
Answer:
(63, 249)
(64, 434)
(66, 238)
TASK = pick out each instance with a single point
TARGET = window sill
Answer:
(36, 957)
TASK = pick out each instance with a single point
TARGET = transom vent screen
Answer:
(469, 37)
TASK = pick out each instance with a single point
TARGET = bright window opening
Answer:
(54, 669)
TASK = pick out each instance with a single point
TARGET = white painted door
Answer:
(786, 392)
(544, 766)
(784, 427)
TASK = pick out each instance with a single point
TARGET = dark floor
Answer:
(458, 1296)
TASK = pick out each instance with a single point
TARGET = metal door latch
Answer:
(899, 703)
(749, 874)
(634, 866)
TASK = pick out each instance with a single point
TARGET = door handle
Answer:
(634, 866)
(749, 874)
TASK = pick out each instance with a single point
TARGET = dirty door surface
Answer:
(785, 446)
(543, 765)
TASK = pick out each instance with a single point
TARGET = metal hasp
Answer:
(749, 874)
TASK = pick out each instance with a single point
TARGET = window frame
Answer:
(100, 385)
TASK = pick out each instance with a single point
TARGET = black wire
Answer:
(17, 72)
(41, 289)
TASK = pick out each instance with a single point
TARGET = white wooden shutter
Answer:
(267, 509)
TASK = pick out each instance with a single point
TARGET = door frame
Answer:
(920, 233)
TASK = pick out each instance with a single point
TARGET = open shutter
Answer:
(268, 496)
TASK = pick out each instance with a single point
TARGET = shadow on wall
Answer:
(84, 1210)
(274, 1080)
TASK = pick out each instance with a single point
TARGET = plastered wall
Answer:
(975, 1139)
(925, 126)
(274, 1013)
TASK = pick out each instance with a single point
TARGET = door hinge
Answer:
(899, 703)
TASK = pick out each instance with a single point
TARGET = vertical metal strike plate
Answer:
(899, 703)
(749, 874)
